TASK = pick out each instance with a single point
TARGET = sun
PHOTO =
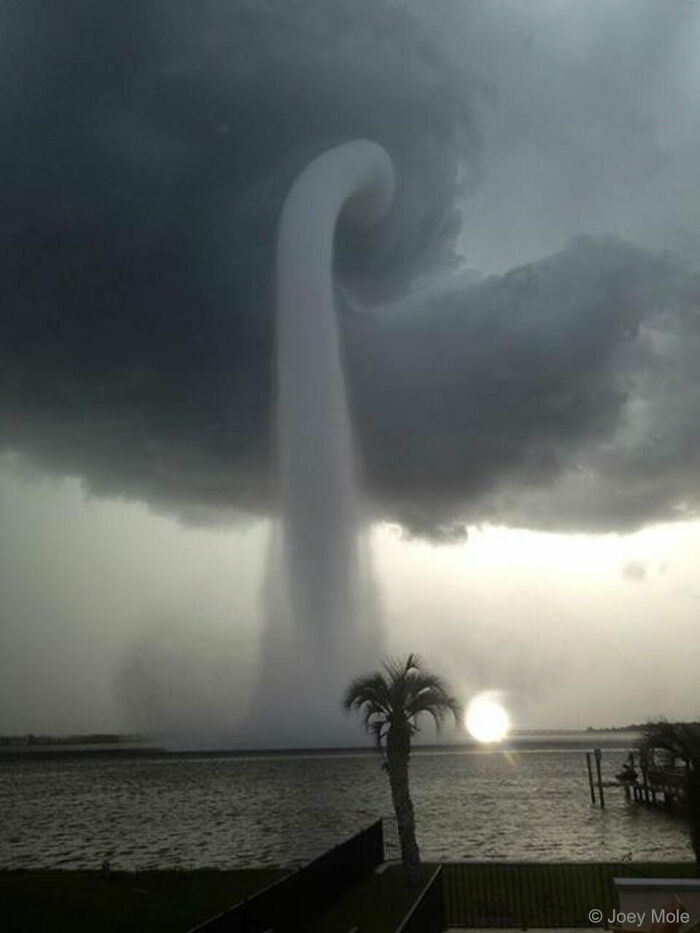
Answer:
(486, 720)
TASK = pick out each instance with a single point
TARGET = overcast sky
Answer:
(521, 342)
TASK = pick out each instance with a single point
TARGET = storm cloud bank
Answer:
(148, 150)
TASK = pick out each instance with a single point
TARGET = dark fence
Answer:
(291, 904)
(428, 913)
(544, 894)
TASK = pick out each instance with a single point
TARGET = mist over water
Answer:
(321, 617)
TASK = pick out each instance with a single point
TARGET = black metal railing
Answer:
(535, 894)
(428, 913)
(291, 904)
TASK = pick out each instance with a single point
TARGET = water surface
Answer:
(228, 812)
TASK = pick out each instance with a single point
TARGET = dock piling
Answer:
(597, 755)
(590, 777)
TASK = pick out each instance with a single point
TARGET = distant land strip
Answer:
(115, 738)
(91, 738)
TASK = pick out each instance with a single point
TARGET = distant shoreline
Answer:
(523, 740)
(29, 739)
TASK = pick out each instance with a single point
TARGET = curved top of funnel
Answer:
(356, 178)
(376, 183)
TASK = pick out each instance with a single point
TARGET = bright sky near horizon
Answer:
(574, 630)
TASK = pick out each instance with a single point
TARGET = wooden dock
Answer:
(652, 785)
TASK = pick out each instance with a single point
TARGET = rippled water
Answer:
(231, 812)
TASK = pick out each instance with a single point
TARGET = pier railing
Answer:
(537, 894)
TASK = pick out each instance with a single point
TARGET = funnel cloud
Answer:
(321, 623)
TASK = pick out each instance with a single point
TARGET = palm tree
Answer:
(390, 702)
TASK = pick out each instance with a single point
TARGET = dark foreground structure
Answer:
(520, 895)
(296, 902)
(304, 900)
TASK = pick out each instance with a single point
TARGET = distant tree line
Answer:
(92, 738)
(633, 727)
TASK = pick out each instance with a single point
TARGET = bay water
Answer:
(234, 811)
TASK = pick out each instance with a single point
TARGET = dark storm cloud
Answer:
(147, 151)
(511, 379)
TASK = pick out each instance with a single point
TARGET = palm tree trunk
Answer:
(397, 768)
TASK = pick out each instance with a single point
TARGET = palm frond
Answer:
(370, 688)
(369, 696)
(394, 698)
